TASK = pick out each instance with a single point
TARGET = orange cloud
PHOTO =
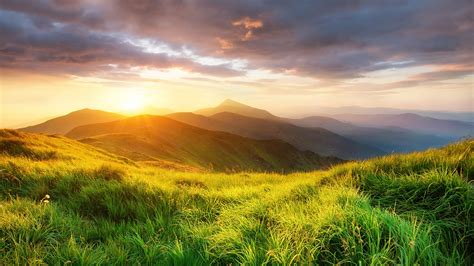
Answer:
(224, 44)
(248, 24)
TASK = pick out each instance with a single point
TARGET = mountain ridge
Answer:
(167, 139)
(414, 122)
(232, 106)
(318, 140)
(389, 139)
(63, 124)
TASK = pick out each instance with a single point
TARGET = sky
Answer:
(60, 56)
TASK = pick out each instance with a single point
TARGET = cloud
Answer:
(74, 49)
(322, 39)
(224, 44)
(248, 24)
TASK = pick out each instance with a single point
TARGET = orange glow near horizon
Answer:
(131, 102)
(28, 98)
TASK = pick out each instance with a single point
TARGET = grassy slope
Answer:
(166, 139)
(104, 209)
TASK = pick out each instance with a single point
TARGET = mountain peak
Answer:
(85, 110)
(230, 102)
(409, 115)
(232, 106)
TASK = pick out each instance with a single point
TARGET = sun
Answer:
(132, 102)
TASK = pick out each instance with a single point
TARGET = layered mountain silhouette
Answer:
(387, 139)
(148, 137)
(330, 111)
(358, 136)
(63, 124)
(414, 122)
(377, 137)
(318, 140)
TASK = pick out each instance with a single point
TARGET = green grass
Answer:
(105, 209)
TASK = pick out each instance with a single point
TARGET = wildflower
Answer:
(45, 199)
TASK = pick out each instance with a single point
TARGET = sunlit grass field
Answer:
(66, 202)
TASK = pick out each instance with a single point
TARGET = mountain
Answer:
(330, 111)
(63, 124)
(384, 139)
(318, 140)
(390, 140)
(147, 137)
(237, 108)
(323, 122)
(414, 122)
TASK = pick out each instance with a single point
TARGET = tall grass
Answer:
(103, 209)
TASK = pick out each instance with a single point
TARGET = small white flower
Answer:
(45, 199)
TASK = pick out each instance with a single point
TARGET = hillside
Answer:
(63, 124)
(317, 140)
(414, 122)
(149, 137)
(387, 139)
(64, 202)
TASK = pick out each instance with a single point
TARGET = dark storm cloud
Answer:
(323, 39)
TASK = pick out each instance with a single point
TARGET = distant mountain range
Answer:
(274, 143)
(379, 137)
(413, 122)
(387, 139)
(358, 110)
(318, 140)
(148, 137)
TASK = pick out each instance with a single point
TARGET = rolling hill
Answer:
(148, 137)
(413, 122)
(318, 140)
(63, 124)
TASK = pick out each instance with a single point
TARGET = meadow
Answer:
(65, 202)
